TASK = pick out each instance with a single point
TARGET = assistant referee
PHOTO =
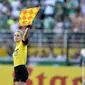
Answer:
(20, 57)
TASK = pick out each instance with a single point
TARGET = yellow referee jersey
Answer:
(20, 54)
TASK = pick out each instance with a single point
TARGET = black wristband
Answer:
(29, 26)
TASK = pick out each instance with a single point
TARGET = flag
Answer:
(27, 16)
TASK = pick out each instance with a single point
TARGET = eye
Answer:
(17, 35)
(14, 35)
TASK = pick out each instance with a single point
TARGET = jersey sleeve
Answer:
(25, 42)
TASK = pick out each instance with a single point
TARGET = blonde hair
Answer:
(20, 31)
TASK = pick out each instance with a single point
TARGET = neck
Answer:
(17, 42)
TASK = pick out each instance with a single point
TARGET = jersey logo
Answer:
(16, 52)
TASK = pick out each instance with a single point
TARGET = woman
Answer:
(20, 56)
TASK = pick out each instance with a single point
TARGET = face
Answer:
(17, 37)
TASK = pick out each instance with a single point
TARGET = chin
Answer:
(16, 41)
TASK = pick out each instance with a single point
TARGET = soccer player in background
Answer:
(82, 64)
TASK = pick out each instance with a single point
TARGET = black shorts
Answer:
(20, 73)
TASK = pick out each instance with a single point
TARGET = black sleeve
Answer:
(29, 26)
(25, 42)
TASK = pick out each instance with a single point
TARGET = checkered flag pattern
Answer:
(27, 16)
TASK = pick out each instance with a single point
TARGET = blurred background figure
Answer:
(82, 61)
(44, 54)
(51, 53)
(77, 22)
(62, 56)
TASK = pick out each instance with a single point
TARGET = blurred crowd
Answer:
(51, 54)
(55, 15)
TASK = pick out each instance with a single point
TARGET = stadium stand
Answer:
(56, 20)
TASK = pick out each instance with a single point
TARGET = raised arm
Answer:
(25, 35)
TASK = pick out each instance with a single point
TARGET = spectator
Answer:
(51, 53)
(50, 2)
(71, 6)
(44, 54)
(48, 24)
(82, 5)
(13, 24)
(36, 55)
(58, 28)
(49, 7)
(38, 22)
(3, 22)
(9, 50)
(59, 9)
(14, 27)
(76, 57)
(15, 6)
(77, 21)
(67, 23)
(62, 57)
(35, 2)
